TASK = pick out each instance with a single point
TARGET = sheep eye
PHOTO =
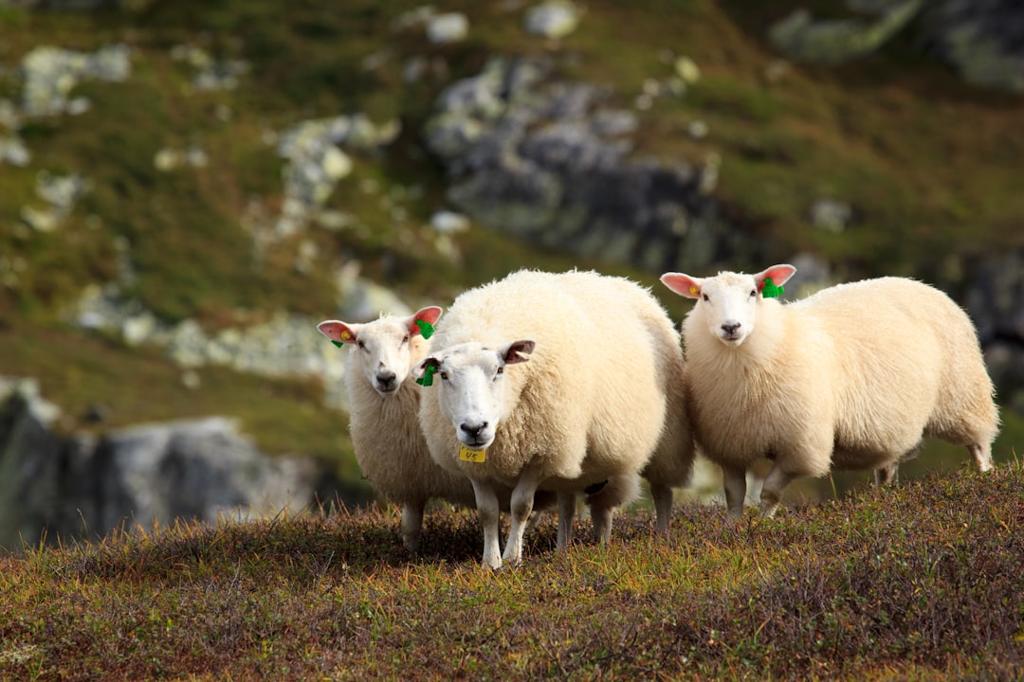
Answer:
(706, 297)
(406, 339)
(444, 376)
(362, 345)
(501, 370)
(753, 292)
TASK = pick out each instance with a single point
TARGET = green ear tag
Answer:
(428, 376)
(769, 290)
(337, 344)
(426, 329)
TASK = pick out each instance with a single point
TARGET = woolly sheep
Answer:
(384, 410)
(583, 400)
(850, 378)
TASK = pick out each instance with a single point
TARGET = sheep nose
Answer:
(473, 429)
(730, 327)
(386, 379)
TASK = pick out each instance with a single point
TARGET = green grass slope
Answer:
(922, 581)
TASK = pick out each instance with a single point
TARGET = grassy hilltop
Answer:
(922, 581)
(930, 165)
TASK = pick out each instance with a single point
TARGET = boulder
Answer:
(994, 298)
(443, 29)
(54, 486)
(554, 19)
(552, 162)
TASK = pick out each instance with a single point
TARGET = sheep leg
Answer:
(771, 491)
(602, 515)
(488, 511)
(566, 513)
(888, 474)
(662, 496)
(412, 524)
(982, 453)
(521, 506)
(533, 522)
(735, 481)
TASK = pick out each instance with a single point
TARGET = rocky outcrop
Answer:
(995, 301)
(554, 19)
(285, 346)
(82, 486)
(982, 39)
(551, 161)
(840, 40)
(316, 162)
(51, 73)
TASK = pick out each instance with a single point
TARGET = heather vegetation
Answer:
(920, 581)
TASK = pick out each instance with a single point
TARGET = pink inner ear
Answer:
(336, 331)
(684, 285)
(780, 274)
(430, 314)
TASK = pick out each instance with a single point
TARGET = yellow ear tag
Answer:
(694, 291)
(346, 336)
(467, 454)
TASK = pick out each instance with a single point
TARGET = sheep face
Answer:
(729, 302)
(383, 349)
(473, 393)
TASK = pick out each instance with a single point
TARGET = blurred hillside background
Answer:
(188, 186)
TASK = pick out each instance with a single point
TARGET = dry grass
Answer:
(921, 581)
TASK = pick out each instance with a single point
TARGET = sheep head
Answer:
(384, 349)
(729, 301)
(473, 393)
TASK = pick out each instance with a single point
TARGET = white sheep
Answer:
(583, 400)
(384, 410)
(852, 377)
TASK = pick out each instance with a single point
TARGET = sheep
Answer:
(583, 400)
(852, 377)
(384, 410)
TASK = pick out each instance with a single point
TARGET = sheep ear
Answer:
(779, 274)
(517, 351)
(423, 321)
(339, 332)
(423, 372)
(684, 285)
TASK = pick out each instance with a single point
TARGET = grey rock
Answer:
(60, 192)
(14, 152)
(316, 162)
(448, 222)
(443, 29)
(549, 161)
(837, 41)
(554, 19)
(199, 469)
(210, 73)
(983, 39)
(831, 215)
(72, 487)
(994, 298)
(51, 73)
